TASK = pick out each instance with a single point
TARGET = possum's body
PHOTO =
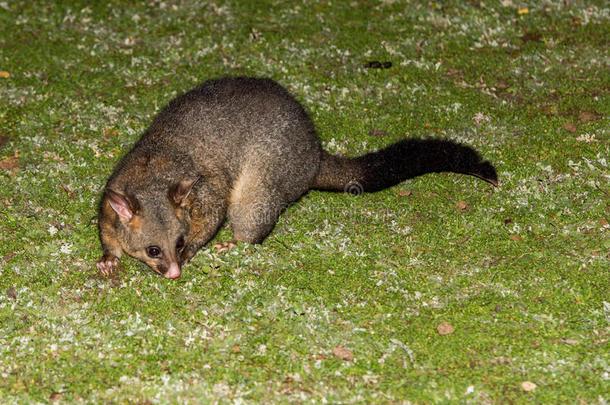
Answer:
(243, 149)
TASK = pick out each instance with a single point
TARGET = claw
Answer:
(224, 246)
(107, 264)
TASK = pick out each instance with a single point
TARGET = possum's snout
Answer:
(173, 271)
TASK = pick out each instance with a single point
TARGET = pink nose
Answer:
(173, 271)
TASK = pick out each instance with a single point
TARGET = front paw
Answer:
(107, 264)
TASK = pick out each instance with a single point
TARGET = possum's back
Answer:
(230, 117)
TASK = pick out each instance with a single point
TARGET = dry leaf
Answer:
(377, 132)
(70, 193)
(404, 193)
(586, 116)
(461, 205)
(111, 132)
(603, 222)
(10, 163)
(342, 353)
(3, 140)
(515, 238)
(528, 386)
(445, 328)
(454, 72)
(11, 293)
(571, 341)
(56, 396)
(533, 36)
(571, 128)
(235, 349)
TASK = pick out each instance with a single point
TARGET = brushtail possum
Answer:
(240, 148)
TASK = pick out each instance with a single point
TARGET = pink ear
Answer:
(119, 204)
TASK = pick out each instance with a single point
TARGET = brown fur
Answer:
(243, 149)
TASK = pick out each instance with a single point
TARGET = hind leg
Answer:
(257, 200)
(275, 175)
(250, 223)
(252, 219)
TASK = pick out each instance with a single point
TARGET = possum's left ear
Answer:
(123, 205)
(179, 191)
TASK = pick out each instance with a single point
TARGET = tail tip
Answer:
(487, 172)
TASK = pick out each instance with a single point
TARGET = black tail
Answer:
(403, 160)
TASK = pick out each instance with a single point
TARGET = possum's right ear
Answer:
(179, 191)
(122, 205)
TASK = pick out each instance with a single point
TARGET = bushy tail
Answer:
(400, 161)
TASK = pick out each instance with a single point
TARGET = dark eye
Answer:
(153, 251)
(180, 243)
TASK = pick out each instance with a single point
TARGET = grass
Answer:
(521, 272)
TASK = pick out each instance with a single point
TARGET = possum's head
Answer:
(153, 230)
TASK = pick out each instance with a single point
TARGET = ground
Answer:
(441, 289)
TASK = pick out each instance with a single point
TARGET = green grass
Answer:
(522, 273)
